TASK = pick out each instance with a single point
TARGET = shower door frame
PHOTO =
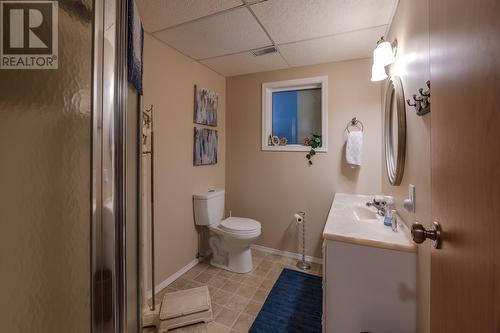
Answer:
(109, 107)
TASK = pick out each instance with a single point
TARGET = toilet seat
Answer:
(240, 225)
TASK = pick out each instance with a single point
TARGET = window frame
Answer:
(267, 113)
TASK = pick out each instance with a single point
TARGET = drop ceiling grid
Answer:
(305, 32)
(248, 3)
(232, 32)
(163, 14)
(339, 47)
(294, 20)
(245, 62)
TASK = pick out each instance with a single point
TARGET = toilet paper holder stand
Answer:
(302, 263)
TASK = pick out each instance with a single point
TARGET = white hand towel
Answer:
(354, 148)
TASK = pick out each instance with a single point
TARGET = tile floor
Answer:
(236, 298)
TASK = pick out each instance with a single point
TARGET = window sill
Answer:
(292, 148)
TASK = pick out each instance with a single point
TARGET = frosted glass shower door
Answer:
(45, 185)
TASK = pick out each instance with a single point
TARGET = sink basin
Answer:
(364, 213)
(351, 221)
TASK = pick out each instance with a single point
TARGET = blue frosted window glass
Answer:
(285, 115)
(296, 114)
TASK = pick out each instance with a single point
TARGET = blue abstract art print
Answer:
(205, 146)
(206, 104)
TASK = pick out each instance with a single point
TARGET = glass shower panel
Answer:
(45, 182)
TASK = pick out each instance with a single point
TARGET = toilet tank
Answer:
(208, 207)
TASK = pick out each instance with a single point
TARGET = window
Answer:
(293, 111)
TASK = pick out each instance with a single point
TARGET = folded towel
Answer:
(354, 148)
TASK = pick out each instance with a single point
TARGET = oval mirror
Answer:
(394, 130)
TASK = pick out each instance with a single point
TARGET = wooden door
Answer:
(465, 141)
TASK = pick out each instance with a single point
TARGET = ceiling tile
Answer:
(160, 14)
(246, 62)
(230, 32)
(294, 20)
(353, 45)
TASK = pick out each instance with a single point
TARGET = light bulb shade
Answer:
(378, 73)
(383, 54)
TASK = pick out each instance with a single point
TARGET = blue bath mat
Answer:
(295, 304)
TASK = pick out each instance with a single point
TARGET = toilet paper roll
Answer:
(298, 218)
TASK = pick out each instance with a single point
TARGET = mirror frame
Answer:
(395, 164)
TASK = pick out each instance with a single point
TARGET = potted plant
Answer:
(314, 142)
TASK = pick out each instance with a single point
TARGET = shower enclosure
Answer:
(69, 178)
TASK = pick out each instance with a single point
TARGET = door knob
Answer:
(420, 234)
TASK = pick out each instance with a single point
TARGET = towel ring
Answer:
(354, 123)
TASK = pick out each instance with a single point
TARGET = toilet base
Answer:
(235, 258)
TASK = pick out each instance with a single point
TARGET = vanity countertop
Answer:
(342, 225)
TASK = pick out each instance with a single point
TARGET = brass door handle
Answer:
(420, 234)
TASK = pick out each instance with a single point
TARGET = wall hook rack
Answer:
(422, 103)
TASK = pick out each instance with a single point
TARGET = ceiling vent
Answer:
(265, 50)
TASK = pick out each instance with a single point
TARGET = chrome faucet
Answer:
(379, 205)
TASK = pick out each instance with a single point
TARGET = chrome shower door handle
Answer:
(420, 234)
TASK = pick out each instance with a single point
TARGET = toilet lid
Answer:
(239, 224)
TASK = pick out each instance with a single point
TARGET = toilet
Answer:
(230, 238)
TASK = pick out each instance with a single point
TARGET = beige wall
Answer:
(169, 79)
(271, 186)
(411, 28)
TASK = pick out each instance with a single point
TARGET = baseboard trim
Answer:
(286, 253)
(165, 283)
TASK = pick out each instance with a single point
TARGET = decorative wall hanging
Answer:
(206, 104)
(205, 146)
(422, 103)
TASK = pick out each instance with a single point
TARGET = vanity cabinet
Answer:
(369, 273)
(368, 289)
